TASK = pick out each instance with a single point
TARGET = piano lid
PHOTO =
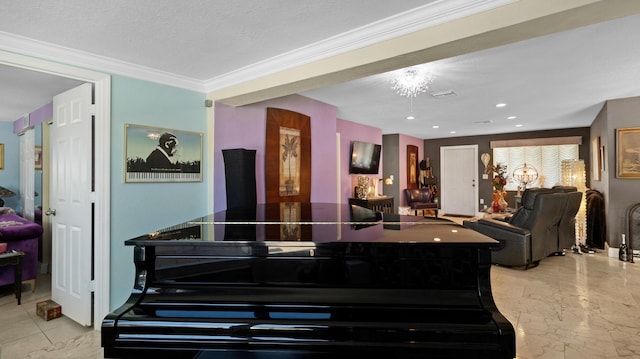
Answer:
(311, 222)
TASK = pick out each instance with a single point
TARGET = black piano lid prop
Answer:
(313, 281)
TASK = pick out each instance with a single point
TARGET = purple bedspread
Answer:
(11, 231)
(20, 234)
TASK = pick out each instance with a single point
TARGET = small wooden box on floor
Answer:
(48, 310)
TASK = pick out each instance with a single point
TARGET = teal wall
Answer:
(10, 175)
(139, 208)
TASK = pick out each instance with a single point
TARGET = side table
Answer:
(14, 258)
(382, 204)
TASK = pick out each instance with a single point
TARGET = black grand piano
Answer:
(296, 280)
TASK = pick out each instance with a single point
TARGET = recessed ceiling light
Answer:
(411, 117)
(512, 117)
(452, 131)
(501, 105)
(519, 125)
(435, 126)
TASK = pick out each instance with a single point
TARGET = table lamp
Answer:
(5, 192)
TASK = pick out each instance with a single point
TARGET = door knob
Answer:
(50, 212)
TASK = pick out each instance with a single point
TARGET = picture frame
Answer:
(412, 166)
(288, 152)
(155, 154)
(595, 159)
(37, 157)
(628, 152)
(1, 156)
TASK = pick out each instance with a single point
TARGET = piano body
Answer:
(310, 281)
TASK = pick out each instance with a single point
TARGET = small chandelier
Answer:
(525, 174)
(411, 82)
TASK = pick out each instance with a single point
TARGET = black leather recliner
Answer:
(567, 225)
(531, 234)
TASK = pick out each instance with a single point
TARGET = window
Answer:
(546, 159)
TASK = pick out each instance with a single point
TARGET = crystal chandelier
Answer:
(411, 82)
(525, 174)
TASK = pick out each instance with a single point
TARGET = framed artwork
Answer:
(287, 156)
(628, 152)
(595, 159)
(155, 154)
(412, 166)
(37, 156)
(1, 156)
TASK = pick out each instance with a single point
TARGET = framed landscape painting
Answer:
(628, 152)
(155, 154)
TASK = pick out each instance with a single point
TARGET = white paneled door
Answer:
(459, 183)
(71, 203)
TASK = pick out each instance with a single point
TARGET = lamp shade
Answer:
(5, 192)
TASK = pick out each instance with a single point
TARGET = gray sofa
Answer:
(534, 231)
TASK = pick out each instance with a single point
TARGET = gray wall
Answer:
(619, 194)
(391, 166)
(432, 150)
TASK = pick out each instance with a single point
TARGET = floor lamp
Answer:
(573, 174)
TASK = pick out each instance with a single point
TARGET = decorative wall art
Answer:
(37, 156)
(595, 159)
(412, 166)
(287, 156)
(155, 154)
(628, 152)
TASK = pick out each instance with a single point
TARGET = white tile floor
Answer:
(576, 306)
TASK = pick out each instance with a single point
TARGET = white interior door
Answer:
(458, 186)
(70, 201)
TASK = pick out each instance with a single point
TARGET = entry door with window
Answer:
(71, 204)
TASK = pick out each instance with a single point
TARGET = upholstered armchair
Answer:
(20, 234)
(419, 199)
(531, 234)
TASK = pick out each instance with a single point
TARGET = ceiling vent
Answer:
(442, 94)
(484, 122)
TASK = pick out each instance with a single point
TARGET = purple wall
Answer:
(244, 127)
(38, 116)
(350, 131)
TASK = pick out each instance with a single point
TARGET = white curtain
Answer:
(546, 159)
(27, 173)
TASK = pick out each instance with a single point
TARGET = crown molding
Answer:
(426, 16)
(46, 51)
(417, 19)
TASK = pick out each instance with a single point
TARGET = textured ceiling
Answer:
(556, 81)
(200, 39)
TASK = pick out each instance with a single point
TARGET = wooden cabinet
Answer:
(382, 204)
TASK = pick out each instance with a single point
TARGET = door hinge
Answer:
(92, 286)
(92, 197)
(92, 110)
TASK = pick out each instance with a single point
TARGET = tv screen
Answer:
(365, 158)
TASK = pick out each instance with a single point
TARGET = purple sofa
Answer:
(20, 234)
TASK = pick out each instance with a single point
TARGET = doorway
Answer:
(459, 183)
(102, 86)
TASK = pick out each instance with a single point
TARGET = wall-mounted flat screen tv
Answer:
(365, 158)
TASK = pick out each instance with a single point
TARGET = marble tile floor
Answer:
(576, 306)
